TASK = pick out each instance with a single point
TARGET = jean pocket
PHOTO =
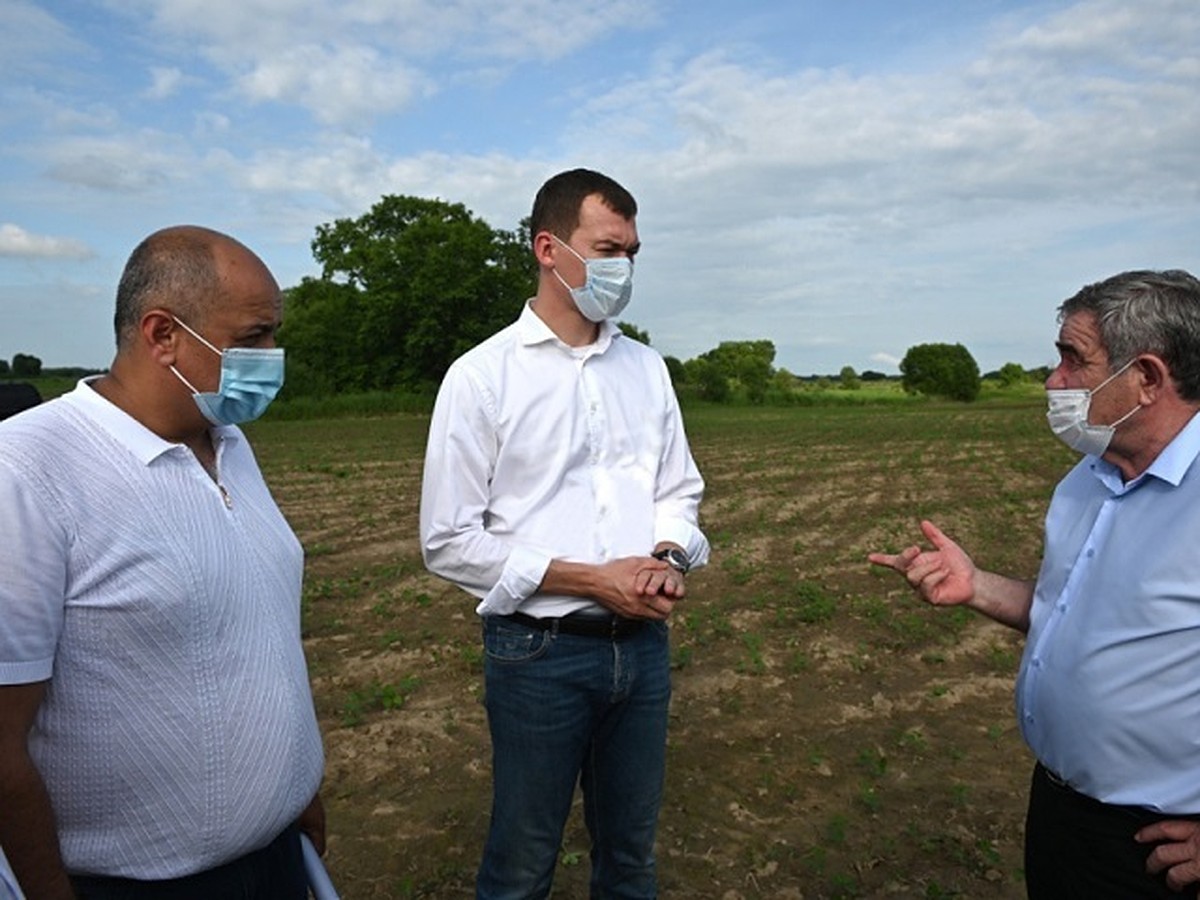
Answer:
(508, 642)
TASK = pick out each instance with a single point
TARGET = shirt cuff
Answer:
(521, 578)
(686, 535)
(26, 672)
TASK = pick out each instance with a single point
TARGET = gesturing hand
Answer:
(944, 575)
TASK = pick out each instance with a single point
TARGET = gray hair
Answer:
(175, 269)
(1147, 312)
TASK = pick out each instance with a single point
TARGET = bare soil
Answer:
(830, 736)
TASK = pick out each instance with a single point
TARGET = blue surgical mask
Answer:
(250, 379)
(607, 287)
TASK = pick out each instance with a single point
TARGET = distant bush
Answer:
(941, 370)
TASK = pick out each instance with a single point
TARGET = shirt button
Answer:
(1091, 552)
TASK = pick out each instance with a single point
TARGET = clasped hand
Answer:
(641, 587)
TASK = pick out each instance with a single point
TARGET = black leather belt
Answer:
(609, 626)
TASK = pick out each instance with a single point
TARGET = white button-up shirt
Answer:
(540, 451)
(1108, 696)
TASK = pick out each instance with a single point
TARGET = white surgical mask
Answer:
(1068, 417)
(607, 287)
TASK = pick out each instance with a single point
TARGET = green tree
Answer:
(849, 379)
(26, 366)
(941, 370)
(712, 381)
(3, 368)
(632, 331)
(676, 369)
(404, 290)
(1011, 374)
(747, 362)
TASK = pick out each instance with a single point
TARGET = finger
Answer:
(899, 561)
(1168, 829)
(1181, 876)
(1166, 856)
(935, 535)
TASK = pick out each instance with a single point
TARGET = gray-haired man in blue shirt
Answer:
(1108, 696)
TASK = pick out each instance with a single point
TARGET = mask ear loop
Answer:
(186, 328)
(174, 371)
(188, 384)
(571, 250)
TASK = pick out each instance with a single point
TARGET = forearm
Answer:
(573, 579)
(28, 833)
(1002, 599)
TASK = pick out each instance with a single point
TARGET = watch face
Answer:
(677, 558)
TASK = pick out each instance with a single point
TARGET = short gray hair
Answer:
(1147, 312)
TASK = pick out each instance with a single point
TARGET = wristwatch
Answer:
(673, 557)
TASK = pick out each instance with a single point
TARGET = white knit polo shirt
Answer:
(178, 730)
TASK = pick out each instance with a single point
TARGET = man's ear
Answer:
(158, 333)
(543, 249)
(1154, 376)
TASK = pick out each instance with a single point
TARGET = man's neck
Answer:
(568, 325)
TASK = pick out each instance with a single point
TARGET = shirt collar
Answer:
(144, 444)
(534, 331)
(1171, 465)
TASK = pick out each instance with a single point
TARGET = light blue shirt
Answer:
(1108, 695)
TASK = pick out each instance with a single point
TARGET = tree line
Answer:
(412, 284)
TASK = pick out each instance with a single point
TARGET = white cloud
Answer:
(164, 82)
(348, 85)
(17, 242)
(348, 61)
(31, 35)
(130, 163)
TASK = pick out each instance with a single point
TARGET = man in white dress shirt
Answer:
(1108, 695)
(157, 732)
(559, 490)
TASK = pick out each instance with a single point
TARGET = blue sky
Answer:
(844, 178)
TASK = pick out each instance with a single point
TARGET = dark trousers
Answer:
(1077, 847)
(276, 872)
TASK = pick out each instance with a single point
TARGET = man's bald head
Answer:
(182, 269)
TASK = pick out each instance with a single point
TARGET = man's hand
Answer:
(1177, 853)
(666, 582)
(312, 823)
(944, 576)
(639, 587)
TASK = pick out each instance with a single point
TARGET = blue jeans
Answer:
(564, 708)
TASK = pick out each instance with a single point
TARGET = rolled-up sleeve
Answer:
(459, 464)
(679, 489)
